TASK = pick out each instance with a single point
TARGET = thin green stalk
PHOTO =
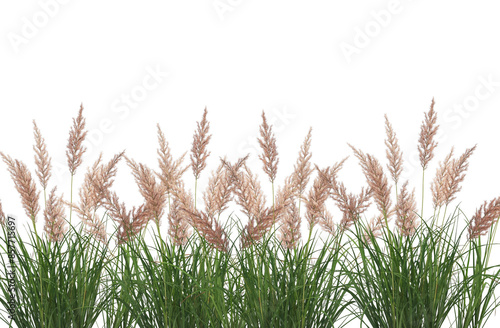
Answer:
(444, 215)
(71, 200)
(39, 271)
(274, 210)
(423, 190)
(195, 190)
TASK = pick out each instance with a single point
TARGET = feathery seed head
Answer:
(406, 208)
(208, 226)
(75, 146)
(171, 170)
(25, 186)
(178, 224)
(317, 197)
(487, 215)
(377, 181)
(55, 219)
(267, 142)
(302, 168)
(154, 193)
(428, 131)
(130, 223)
(393, 152)
(42, 159)
(441, 181)
(456, 175)
(351, 206)
(199, 152)
(95, 193)
(377, 223)
(290, 227)
(219, 191)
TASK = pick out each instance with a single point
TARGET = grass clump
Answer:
(399, 269)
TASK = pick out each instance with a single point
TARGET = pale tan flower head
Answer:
(487, 215)
(377, 181)
(267, 142)
(55, 219)
(25, 186)
(290, 227)
(130, 223)
(406, 209)
(441, 181)
(428, 132)
(219, 191)
(178, 224)
(302, 168)
(208, 226)
(42, 159)
(75, 146)
(316, 199)
(393, 152)
(171, 170)
(94, 194)
(154, 193)
(199, 152)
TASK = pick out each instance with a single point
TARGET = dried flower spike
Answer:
(317, 197)
(219, 191)
(154, 193)
(209, 227)
(75, 146)
(171, 170)
(406, 211)
(259, 225)
(441, 181)
(269, 156)
(104, 178)
(42, 159)
(351, 206)
(250, 197)
(199, 152)
(377, 181)
(485, 217)
(290, 227)
(428, 131)
(130, 223)
(302, 168)
(94, 194)
(377, 223)
(393, 152)
(55, 220)
(456, 175)
(25, 186)
(248, 191)
(288, 215)
(183, 204)
(178, 225)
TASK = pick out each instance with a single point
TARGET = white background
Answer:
(335, 66)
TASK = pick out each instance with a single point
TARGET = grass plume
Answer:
(42, 158)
